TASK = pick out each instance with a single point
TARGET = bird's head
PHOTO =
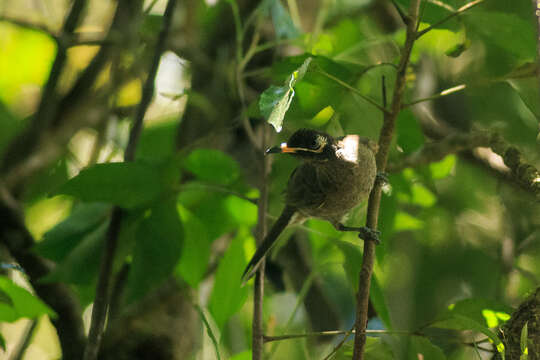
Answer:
(309, 145)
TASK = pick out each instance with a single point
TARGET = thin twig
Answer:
(268, 338)
(19, 353)
(101, 300)
(340, 344)
(352, 89)
(401, 13)
(456, 13)
(385, 140)
(436, 96)
(258, 290)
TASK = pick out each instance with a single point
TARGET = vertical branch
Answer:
(385, 138)
(257, 341)
(101, 300)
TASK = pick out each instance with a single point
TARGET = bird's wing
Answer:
(306, 189)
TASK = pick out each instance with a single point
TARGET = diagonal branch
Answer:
(519, 170)
(454, 14)
(101, 300)
(48, 106)
(385, 139)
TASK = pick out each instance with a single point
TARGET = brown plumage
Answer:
(335, 176)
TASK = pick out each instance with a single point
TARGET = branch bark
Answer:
(522, 172)
(101, 300)
(385, 139)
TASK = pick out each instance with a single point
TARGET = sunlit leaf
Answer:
(24, 304)
(405, 221)
(443, 168)
(18, 64)
(460, 322)
(322, 116)
(523, 340)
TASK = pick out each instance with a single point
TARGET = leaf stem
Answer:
(436, 96)
(352, 89)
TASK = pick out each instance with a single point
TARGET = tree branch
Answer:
(525, 174)
(48, 106)
(385, 139)
(69, 326)
(101, 300)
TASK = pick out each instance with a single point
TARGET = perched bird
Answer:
(335, 176)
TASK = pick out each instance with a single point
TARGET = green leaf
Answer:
(195, 250)
(523, 345)
(278, 99)
(409, 133)
(2, 343)
(245, 355)
(81, 265)
(486, 312)
(228, 295)
(353, 261)
(283, 24)
(5, 299)
(505, 30)
(157, 141)
(421, 348)
(376, 296)
(275, 100)
(25, 305)
(241, 211)
(443, 168)
(457, 49)
(58, 242)
(126, 184)
(158, 247)
(213, 166)
(404, 221)
(460, 322)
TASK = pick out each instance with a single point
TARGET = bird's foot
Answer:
(382, 178)
(368, 234)
(364, 232)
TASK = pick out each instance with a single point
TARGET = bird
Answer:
(335, 175)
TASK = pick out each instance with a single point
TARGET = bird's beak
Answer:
(283, 148)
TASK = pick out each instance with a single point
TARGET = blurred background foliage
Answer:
(460, 236)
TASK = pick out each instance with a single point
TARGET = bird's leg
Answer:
(364, 232)
(382, 177)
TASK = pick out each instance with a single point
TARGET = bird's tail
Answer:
(267, 243)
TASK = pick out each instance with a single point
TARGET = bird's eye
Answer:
(314, 143)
